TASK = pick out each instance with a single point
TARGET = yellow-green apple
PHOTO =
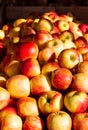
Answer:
(69, 58)
(11, 122)
(40, 84)
(67, 17)
(27, 106)
(80, 121)
(83, 27)
(41, 37)
(46, 55)
(59, 120)
(4, 97)
(62, 25)
(61, 78)
(75, 101)
(44, 24)
(49, 67)
(18, 86)
(82, 67)
(30, 67)
(33, 123)
(12, 68)
(51, 101)
(28, 50)
(19, 22)
(80, 82)
(52, 16)
(56, 44)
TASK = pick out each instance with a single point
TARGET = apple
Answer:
(82, 67)
(80, 121)
(69, 58)
(46, 55)
(49, 67)
(51, 101)
(80, 82)
(6, 28)
(27, 50)
(30, 68)
(3, 80)
(83, 50)
(11, 122)
(19, 22)
(2, 34)
(76, 101)
(27, 106)
(12, 68)
(83, 27)
(59, 120)
(67, 17)
(56, 44)
(61, 78)
(40, 84)
(18, 86)
(86, 36)
(4, 97)
(41, 37)
(33, 123)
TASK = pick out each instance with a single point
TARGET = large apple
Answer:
(80, 121)
(50, 101)
(80, 82)
(76, 101)
(59, 120)
(40, 84)
(27, 106)
(33, 123)
(18, 86)
(61, 78)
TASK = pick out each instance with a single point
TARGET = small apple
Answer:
(27, 50)
(41, 37)
(83, 50)
(4, 97)
(19, 22)
(33, 123)
(69, 58)
(30, 68)
(46, 55)
(11, 122)
(39, 84)
(76, 101)
(59, 120)
(2, 34)
(50, 101)
(18, 86)
(27, 106)
(83, 27)
(82, 67)
(67, 17)
(6, 28)
(80, 82)
(80, 121)
(61, 78)
(3, 80)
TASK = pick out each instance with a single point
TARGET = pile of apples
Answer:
(44, 73)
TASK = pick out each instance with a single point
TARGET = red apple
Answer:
(61, 78)
(76, 101)
(27, 106)
(40, 84)
(30, 67)
(33, 123)
(83, 27)
(59, 120)
(27, 50)
(4, 97)
(50, 101)
(80, 82)
(82, 67)
(80, 121)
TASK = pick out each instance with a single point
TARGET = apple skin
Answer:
(80, 121)
(82, 67)
(4, 97)
(33, 123)
(76, 101)
(27, 106)
(61, 78)
(69, 58)
(27, 50)
(50, 101)
(30, 68)
(18, 86)
(11, 121)
(80, 82)
(40, 84)
(59, 120)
